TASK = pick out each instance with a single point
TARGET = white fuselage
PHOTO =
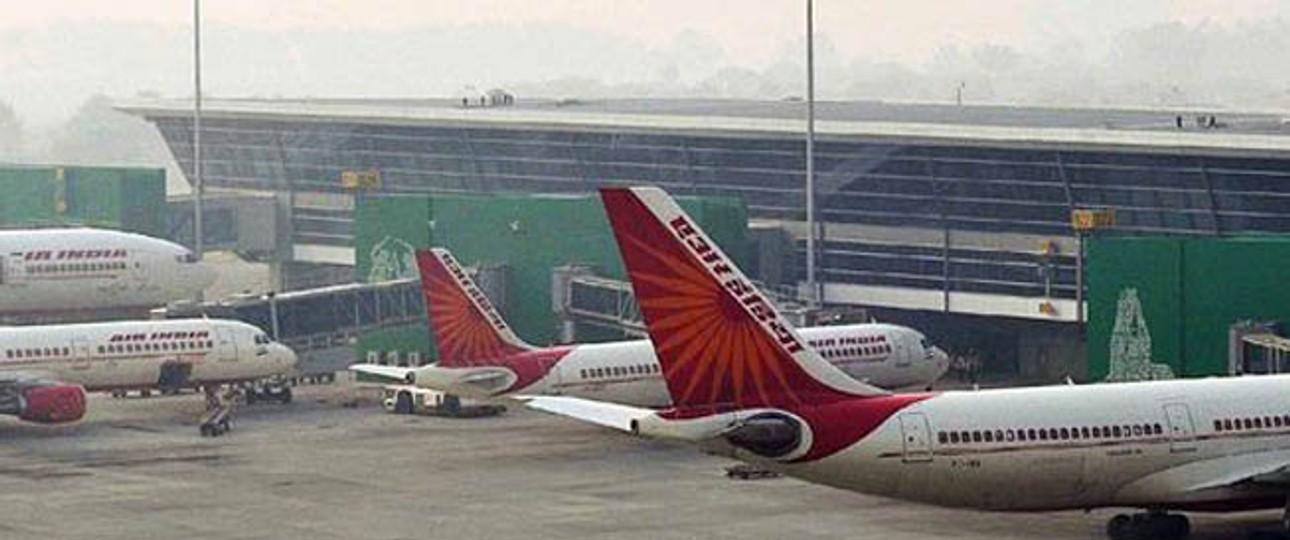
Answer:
(131, 354)
(1154, 445)
(884, 355)
(61, 270)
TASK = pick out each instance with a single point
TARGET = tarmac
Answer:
(317, 469)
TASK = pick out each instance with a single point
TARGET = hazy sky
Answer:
(752, 29)
(55, 53)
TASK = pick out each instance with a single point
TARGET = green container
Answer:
(527, 235)
(1169, 302)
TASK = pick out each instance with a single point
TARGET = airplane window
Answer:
(1267, 421)
(1115, 431)
(1249, 424)
(998, 435)
(1286, 420)
(1227, 424)
(1258, 423)
(954, 437)
(1031, 432)
(1021, 434)
(1043, 434)
(1064, 433)
(942, 437)
(1074, 433)
(1084, 432)
(1053, 433)
(967, 437)
(1010, 435)
(1276, 420)
(988, 436)
(976, 436)
(1218, 425)
(1137, 431)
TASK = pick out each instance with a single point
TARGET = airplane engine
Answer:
(766, 433)
(770, 435)
(53, 404)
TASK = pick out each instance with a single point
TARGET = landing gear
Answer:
(1148, 526)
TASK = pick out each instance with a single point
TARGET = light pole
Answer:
(811, 283)
(198, 248)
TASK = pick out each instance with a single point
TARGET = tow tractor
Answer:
(407, 399)
(218, 418)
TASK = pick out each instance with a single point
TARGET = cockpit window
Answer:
(261, 339)
(187, 258)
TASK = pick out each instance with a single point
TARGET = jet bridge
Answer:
(582, 297)
(321, 325)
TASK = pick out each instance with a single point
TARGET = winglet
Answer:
(467, 328)
(720, 342)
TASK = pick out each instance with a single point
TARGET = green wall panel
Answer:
(131, 199)
(1135, 326)
(528, 235)
(1189, 291)
(1227, 281)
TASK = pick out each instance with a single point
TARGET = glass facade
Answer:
(971, 187)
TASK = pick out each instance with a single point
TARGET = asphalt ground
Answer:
(316, 469)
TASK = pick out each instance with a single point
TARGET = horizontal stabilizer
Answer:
(390, 374)
(611, 415)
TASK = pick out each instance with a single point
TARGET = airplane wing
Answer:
(389, 374)
(484, 381)
(611, 415)
(1258, 469)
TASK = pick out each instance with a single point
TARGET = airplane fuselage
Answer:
(628, 372)
(142, 354)
(1154, 445)
(48, 271)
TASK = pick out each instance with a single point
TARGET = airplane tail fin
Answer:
(467, 328)
(720, 342)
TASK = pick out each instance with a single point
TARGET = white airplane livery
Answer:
(45, 370)
(746, 384)
(48, 271)
(480, 356)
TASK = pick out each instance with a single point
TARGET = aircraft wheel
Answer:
(1121, 527)
(403, 403)
(1176, 526)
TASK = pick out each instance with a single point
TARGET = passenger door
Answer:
(225, 345)
(81, 356)
(1180, 429)
(916, 440)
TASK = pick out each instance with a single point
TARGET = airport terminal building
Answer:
(937, 212)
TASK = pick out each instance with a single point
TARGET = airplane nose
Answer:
(286, 356)
(941, 357)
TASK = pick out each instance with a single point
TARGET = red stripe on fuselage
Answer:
(834, 426)
(529, 367)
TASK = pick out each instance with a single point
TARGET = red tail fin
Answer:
(718, 339)
(466, 327)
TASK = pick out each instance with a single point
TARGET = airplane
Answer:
(745, 384)
(58, 271)
(46, 370)
(481, 356)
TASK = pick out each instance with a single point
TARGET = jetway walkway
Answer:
(581, 297)
(320, 325)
